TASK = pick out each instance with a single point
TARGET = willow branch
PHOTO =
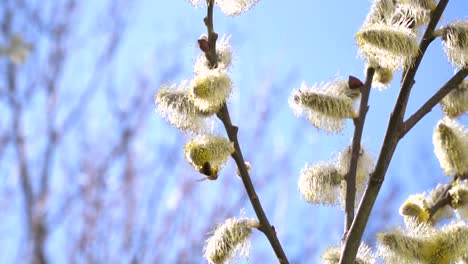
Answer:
(392, 137)
(356, 146)
(231, 131)
(433, 101)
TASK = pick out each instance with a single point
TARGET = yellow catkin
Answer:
(451, 147)
(455, 103)
(208, 149)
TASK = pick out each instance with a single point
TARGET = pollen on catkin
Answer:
(209, 91)
(459, 202)
(364, 255)
(380, 11)
(176, 106)
(455, 103)
(324, 108)
(450, 141)
(389, 46)
(224, 54)
(382, 77)
(455, 40)
(212, 149)
(228, 239)
(424, 244)
(319, 184)
(365, 166)
(409, 246)
(415, 207)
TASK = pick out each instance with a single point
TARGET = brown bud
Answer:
(203, 44)
(354, 83)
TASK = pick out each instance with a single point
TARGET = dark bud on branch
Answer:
(354, 83)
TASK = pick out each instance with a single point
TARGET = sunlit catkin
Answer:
(415, 207)
(388, 46)
(208, 149)
(424, 244)
(365, 166)
(380, 11)
(459, 199)
(229, 238)
(382, 78)
(325, 107)
(455, 39)
(176, 106)
(451, 147)
(319, 184)
(364, 255)
(209, 91)
(407, 246)
(455, 103)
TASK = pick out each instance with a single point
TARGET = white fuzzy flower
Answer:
(229, 238)
(387, 46)
(210, 90)
(380, 11)
(229, 7)
(455, 39)
(459, 194)
(410, 16)
(326, 107)
(319, 184)
(224, 53)
(451, 147)
(176, 106)
(365, 166)
(455, 103)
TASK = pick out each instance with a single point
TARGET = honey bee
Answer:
(210, 172)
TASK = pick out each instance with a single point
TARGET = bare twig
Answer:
(232, 130)
(391, 140)
(356, 146)
(433, 101)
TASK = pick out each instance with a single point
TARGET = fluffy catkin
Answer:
(176, 106)
(455, 40)
(208, 149)
(230, 237)
(451, 147)
(455, 103)
(319, 184)
(389, 46)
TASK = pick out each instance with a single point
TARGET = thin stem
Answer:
(231, 131)
(356, 145)
(392, 137)
(433, 101)
(265, 225)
